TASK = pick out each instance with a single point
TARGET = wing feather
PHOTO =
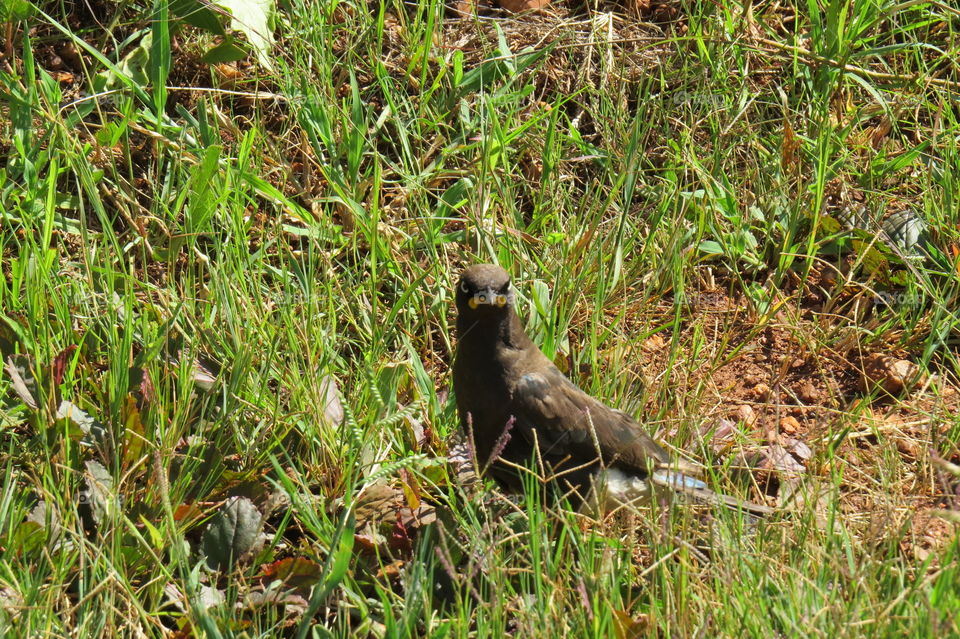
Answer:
(568, 421)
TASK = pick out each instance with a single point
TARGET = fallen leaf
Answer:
(788, 148)
(653, 344)
(392, 570)
(294, 605)
(294, 572)
(12, 603)
(60, 363)
(91, 432)
(330, 396)
(778, 459)
(20, 370)
(99, 494)
(203, 378)
(629, 627)
(799, 449)
(211, 597)
(725, 428)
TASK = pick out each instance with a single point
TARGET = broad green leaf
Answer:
(198, 14)
(233, 532)
(710, 247)
(229, 50)
(253, 18)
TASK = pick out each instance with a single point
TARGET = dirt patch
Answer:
(784, 393)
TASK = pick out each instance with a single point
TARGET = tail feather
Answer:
(695, 488)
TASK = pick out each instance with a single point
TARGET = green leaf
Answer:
(457, 67)
(229, 50)
(253, 18)
(710, 247)
(454, 197)
(204, 194)
(160, 56)
(334, 569)
(492, 70)
(11, 10)
(198, 14)
(131, 70)
(134, 433)
(233, 533)
(156, 537)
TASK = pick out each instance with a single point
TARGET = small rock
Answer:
(751, 380)
(908, 447)
(519, 6)
(653, 344)
(808, 393)
(761, 391)
(798, 362)
(892, 375)
(789, 425)
(746, 414)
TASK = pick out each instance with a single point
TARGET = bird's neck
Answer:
(505, 330)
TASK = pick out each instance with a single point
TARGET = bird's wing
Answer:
(567, 421)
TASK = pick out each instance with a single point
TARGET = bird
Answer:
(517, 407)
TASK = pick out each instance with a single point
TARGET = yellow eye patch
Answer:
(485, 298)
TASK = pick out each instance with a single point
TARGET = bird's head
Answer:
(484, 289)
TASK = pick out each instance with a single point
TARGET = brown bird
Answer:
(518, 406)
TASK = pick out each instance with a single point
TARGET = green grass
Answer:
(299, 232)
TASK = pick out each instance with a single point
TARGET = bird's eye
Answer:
(463, 287)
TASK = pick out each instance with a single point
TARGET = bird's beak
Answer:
(488, 297)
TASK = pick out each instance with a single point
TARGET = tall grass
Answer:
(239, 281)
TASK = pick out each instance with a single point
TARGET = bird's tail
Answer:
(697, 489)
